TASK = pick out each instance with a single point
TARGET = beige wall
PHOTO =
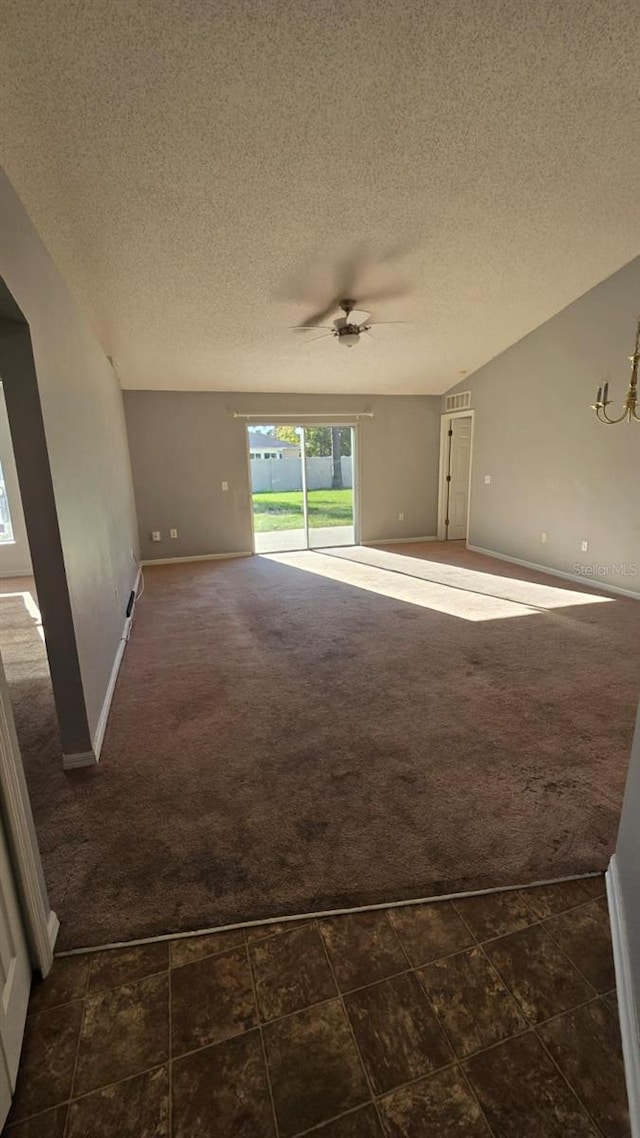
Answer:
(553, 467)
(183, 445)
(87, 447)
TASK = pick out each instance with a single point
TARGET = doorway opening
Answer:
(456, 441)
(22, 642)
(302, 486)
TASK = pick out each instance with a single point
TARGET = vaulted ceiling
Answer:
(201, 172)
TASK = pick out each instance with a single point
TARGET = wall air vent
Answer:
(461, 401)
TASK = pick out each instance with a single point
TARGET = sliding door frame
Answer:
(355, 470)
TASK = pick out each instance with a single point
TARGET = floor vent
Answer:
(461, 401)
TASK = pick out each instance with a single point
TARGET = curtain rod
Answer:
(269, 417)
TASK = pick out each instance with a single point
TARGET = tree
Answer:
(336, 477)
(288, 435)
(322, 442)
(317, 442)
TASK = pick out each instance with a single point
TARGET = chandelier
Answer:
(629, 411)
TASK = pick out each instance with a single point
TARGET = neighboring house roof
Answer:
(258, 441)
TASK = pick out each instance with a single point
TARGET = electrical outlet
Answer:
(173, 533)
(487, 479)
(400, 517)
(543, 537)
(584, 545)
(225, 485)
(156, 535)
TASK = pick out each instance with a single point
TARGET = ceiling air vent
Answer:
(461, 401)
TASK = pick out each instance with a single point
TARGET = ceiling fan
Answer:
(346, 329)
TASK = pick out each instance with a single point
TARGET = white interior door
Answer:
(459, 463)
(15, 980)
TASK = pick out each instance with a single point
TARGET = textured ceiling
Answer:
(189, 163)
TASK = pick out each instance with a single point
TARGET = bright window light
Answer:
(6, 528)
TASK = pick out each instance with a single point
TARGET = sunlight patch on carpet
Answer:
(458, 592)
(31, 606)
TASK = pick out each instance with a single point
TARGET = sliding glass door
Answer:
(328, 455)
(302, 487)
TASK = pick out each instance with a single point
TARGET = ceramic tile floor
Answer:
(491, 1016)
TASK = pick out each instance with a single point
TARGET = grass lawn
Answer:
(273, 511)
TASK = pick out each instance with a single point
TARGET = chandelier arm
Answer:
(629, 411)
(604, 418)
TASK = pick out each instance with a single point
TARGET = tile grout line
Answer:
(84, 1095)
(533, 1027)
(423, 964)
(521, 928)
(263, 1046)
(102, 1086)
(345, 1013)
(474, 1095)
(566, 956)
(529, 1028)
(319, 1126)
(572, 1089)
(596, 995)
(458, 1061)
(72, 1086)
(570, 958)
(107, 988)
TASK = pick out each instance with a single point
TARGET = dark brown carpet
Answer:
(284, 742)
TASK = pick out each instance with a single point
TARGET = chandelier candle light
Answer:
(631, 400)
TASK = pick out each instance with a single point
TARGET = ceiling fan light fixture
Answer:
(349, 339)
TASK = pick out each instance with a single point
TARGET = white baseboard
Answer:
(197, 557)
(98, 737)
(101, 727)
(576, 577)
(398, 540)
(629, 1027)
(53, 928)
(16, 573)
(80, 759)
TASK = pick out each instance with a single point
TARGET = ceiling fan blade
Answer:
(308, 327)
(384, 293)
(314, 338)
(377, 323)
(314, 320)
(359, 317)
(347, 271)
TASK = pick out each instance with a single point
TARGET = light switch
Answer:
(225, 485)
(487, 479)
(156, 535)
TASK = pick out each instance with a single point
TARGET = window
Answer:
(6, 529)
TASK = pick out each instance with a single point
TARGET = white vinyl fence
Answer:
(283, 474)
